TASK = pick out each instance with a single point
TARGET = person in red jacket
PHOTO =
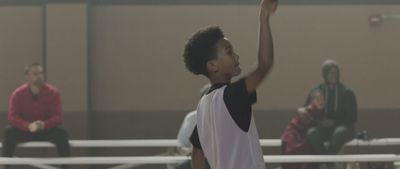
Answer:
(294, 138)
(35, 114)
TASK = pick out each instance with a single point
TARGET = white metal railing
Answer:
(174, 143)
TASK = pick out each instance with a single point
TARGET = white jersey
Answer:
(224, 143)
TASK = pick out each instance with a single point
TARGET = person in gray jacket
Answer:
(337, 126)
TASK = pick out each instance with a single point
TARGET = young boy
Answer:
(225, 133)
(294, 138)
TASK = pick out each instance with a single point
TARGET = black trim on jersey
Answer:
(239, 101)
(216, 86)
(194, 138)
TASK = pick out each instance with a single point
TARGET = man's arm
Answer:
(305, 117)
(56, 112)
(13, 114)
(351, 108)
(265, 48)
(198, 159)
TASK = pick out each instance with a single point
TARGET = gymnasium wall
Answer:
(138, 66)
(136, 63)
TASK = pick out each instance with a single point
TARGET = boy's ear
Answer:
(212, 66)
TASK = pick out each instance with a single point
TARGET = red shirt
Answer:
(25, 109)
(294, 139)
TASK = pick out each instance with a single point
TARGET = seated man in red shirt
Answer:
(35, 114)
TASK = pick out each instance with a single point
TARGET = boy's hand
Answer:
(268, 7)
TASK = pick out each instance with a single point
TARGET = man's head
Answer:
(330, 72)
(34, 74)
(208, 52)
(317, 98)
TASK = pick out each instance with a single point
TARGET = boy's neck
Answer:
(215, 79)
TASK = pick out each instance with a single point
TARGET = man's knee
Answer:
(10, 133)
(344, 132)
(313, 133)
(61, 133)
(58, 135)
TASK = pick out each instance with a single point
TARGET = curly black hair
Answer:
(201, 48)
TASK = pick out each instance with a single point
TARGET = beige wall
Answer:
(66, 33)
(21, 42)
(138, 66)
(136, 52)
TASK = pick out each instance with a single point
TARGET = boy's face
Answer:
(319, 100)
(227, 61)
